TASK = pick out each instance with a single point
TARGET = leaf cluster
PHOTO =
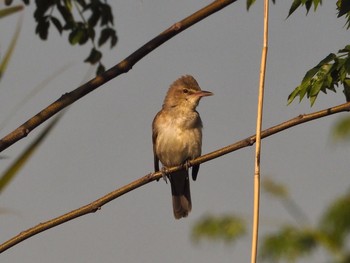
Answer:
(291, 243)
(83, 20)
(228, 228)
(326, 75)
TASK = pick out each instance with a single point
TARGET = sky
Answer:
(104, 140)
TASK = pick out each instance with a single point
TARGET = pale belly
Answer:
(174, 146)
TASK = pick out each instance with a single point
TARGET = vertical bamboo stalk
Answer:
(255, 232)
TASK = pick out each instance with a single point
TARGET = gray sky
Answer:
(104, 140)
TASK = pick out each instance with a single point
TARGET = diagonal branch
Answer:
(97, 204)
(122, 67)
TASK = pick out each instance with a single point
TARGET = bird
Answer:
(177, 138)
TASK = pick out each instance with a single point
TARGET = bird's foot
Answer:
(187, 165)
(165, 173)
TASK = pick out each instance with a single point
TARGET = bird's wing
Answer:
(154, 138)
(195, 169)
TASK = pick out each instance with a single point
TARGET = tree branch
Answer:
(122, 67)
(97, 204)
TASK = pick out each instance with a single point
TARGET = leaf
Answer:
(289, 243)
(227, 228)
(346, 91)
(320, 78)
(76, 36)
(9, 52)
(249, 4)
(42, 28)
(336, 220)
(18, 164)
(275, 189)
(292, 96)
(100, 69)
(94, 18)
(67, 16)
(57, 24)
(10, 10)
(341, 130)
(327, 59)
(343, 7)
(107, 15)
(94, 57)
(295, 5)
(68, 4)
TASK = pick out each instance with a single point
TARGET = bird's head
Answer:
(185, 92)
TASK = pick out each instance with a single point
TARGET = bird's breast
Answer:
(178, 140)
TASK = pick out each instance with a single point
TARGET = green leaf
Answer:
(68, 4)
(341, 130)
(107, 15)
(336, 220)
(57, 24)
(289, 244)
(67, 16)
(327, 59)
(9, 52)
(295, 5)
(346, 91)
(94, 57)
(275, 189)
(343, 7)
(18, 164)
(249, 4)
(76, 36)
(107, 33)
(10, 10)
(42, 28)
(227, 228)
(100, 69)
(94, 18)
(292, 96)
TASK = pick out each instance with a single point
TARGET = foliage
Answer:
(5, 60)
(333, 70)
(341, 129)
(326, 75)
(290, 242)
(81, 19)
(228, 228)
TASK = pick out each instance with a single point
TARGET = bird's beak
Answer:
(203, 93)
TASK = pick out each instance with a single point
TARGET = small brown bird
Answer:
(177, 138)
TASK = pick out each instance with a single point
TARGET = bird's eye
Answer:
(185, 90)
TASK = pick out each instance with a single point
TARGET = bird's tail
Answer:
(180, 190)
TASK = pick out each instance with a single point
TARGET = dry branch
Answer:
(256, 207)
(96, 205)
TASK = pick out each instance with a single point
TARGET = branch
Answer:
(122, 67)
(96, 205)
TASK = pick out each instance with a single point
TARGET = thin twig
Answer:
(96, 205)
(122, 67)
(256, 206)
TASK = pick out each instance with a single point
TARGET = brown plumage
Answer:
(177, 138)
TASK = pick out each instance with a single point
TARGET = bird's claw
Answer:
(187, 165)
(165, 173)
